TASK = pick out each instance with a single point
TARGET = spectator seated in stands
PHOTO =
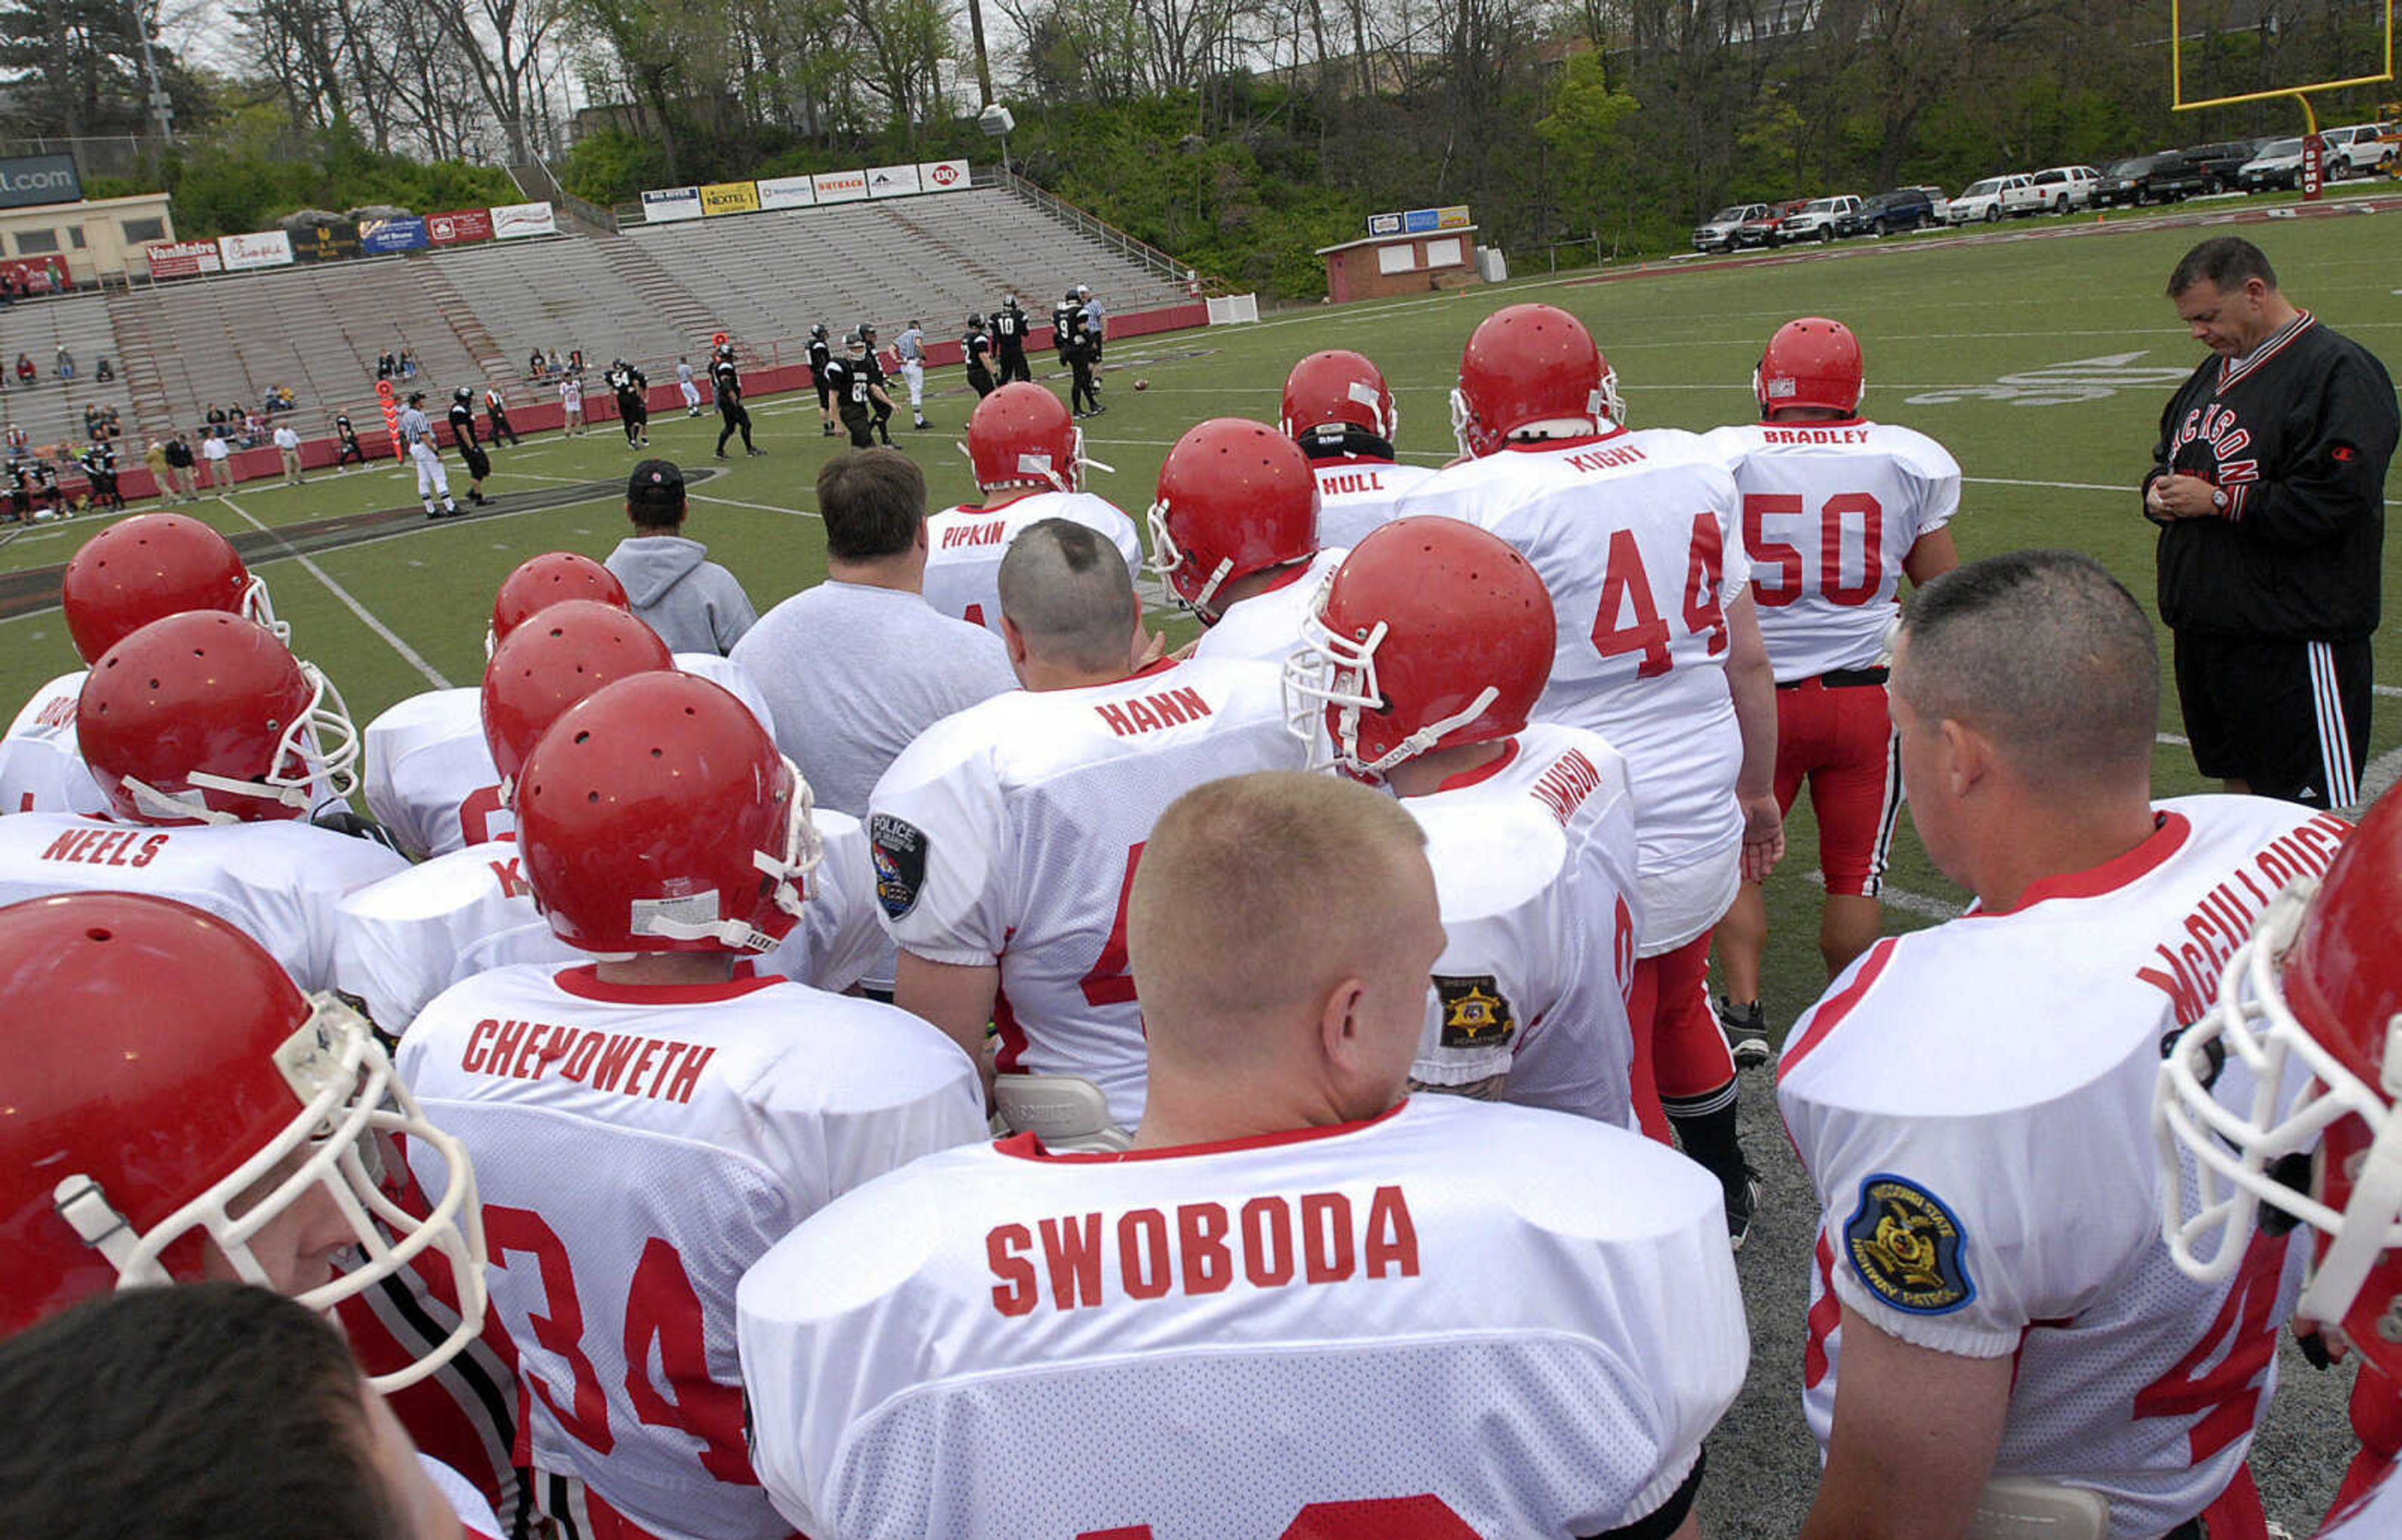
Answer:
(536, 364)
(91, 421)
(25, 370)
(104, 371)
(15, 442)
(65, 363)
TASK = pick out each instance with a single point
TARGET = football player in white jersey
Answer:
(219, 1123)
(644, 1127)
(1305, 1303)
(1341, 412)
(1636, 536)
(428, 774)
(1006, 837)
(135, 571)
(1836, 510)
(1234, 534)
(1427, 651)
(1996, 1322)
(2313, 1004)
(1028, 456)
(194, 727)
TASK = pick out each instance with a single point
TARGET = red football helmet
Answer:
(1020, 436)
(153, 565)
(1813, 362)
(2310, 1011)
(1432, 633)
(1333, 397)
(205, 717)
(1235, 497)
(541, 581)
(565, 653)
(169, 1090)
(1532, 369)
(655, 816)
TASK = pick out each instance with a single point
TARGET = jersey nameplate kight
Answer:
(899, 847)
(1475, 1012)
(1908, 1248)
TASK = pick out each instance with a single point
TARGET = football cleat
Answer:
(1746, 1032)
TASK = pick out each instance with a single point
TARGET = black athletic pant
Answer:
(638, 423)
(1080, 395)
(501, 429)
(883, 415)
(981, 379)
(351, 451)
(861, 426)
(736, 416)
(2287, 718)
(1013, 365)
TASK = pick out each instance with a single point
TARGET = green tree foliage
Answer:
(251, 168)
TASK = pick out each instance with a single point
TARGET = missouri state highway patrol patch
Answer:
(1475, 1012)
(898, 848)
(1908, 1248)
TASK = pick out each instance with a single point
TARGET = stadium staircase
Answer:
(451, 306)
(51, 410)
(659, 289)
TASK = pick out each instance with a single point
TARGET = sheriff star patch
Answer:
(1908, 1247)
(899, 849)
(1475, 1013)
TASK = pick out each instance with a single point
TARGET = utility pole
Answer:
(163, 111)
(984, 66)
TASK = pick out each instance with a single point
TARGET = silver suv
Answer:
(1717, 232)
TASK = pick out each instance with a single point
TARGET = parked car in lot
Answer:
(2065, 187)
(2279, 164)
(1993, 198)
(2163, 178)
(1818, 219)
(1886, 212)
(1717, 232)
(2221, 164)
(1934, 200)
(2355, 151)
(1763, 228)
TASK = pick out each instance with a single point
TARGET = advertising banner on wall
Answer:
(943, 175)
(514, 221)
(891, 181)
(667, 205)
(717, 197)
(182, 258)
(381, 237)
(326, 242)
(259, 249)
(26, 180)
(786, 192)
(457, 226)
(839, 187)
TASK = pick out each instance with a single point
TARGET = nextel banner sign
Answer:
(30, 179)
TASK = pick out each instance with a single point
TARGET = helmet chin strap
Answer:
(190, 805)
(1420, 741)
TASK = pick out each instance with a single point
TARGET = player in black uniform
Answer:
(821, 358)
(1063, 327)
(975, 348)
(633, 401)
(2267, 484)
(1083, 350)
(726, 382)
(877, 396)
(349, 437)
(1009, 340)
(99, 462)
(463, 417)
(846, 379)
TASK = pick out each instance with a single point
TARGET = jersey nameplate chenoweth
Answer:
(105, 846)
(1142, 714)
(1271, 1242)
(2191, 967)
(658, 1069)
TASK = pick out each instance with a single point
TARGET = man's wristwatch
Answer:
(2218, 498)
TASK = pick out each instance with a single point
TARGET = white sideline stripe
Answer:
(2386, 689)
(2085, 485)
(366, 617)
(763, 507)
(2173, 740)
(1902, 899)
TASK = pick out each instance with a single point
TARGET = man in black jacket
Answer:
(2269, 485)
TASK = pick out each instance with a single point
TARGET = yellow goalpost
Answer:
(2300, 92)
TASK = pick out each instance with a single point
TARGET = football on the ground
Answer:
(1142, 384)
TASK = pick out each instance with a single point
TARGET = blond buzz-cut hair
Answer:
(1256, 896)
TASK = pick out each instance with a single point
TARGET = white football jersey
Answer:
(964, 545)
(2376, 1515)
(1534, 866)
(1351, 1326)
(1266, 627)
(635, 1151)
(466, 1504)
(1973, 1104)
(1008, 833)
(1355, 495)
(41, 766)
(278, 883)
(1636, 535)
(429, 775)
(1830, 513)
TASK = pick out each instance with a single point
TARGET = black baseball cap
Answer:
(656, 483)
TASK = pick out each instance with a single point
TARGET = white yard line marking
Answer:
(1902, 899)
(366, 617)
(2173, 740)
(2124, 490)
(763, 507)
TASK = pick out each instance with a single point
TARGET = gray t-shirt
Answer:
(855, 673)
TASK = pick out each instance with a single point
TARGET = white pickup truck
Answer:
(1994, 197)
(1817, 219)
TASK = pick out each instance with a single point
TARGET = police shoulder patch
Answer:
(1475, 1012)
(1908, 1247)
(899, 849)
